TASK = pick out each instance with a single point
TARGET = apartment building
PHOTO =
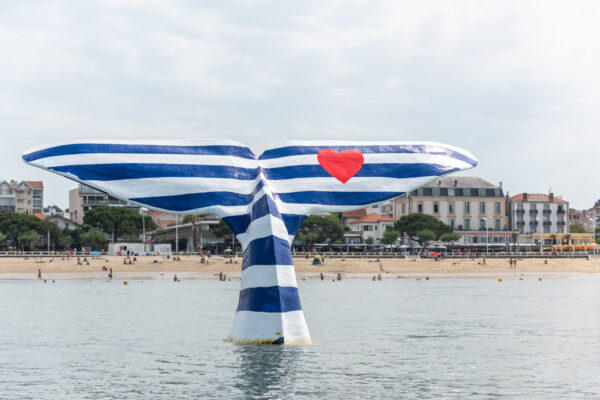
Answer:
(25, 197)
(532, 213)
(472, 206)
(84, 198)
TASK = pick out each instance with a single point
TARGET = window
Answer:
(451, 192)
(420, 192)
(436, 207)
(546, 229)
(466, 192)
(451, 207)
(452, 222)
(482, 224)
(497, 192)
(467, 224)
(546, 206)
(467, 207)
(497, 225)
(436, 192)
(482, 207)
(366, 228)
(376, 227)
(497, 207)
(481, 192)
(420, 207)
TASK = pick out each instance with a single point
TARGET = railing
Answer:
(533, 211)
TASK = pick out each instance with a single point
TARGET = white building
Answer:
(538, 213)
(372, 225)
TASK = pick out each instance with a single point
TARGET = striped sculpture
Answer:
(263, 199)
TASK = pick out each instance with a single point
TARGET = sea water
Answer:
(398, 338)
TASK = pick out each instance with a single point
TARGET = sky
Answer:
(514, 82)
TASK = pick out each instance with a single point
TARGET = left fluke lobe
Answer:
(342, 166)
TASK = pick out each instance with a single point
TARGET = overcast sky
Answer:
(514, 82)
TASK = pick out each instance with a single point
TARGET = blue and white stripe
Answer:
(263, 199)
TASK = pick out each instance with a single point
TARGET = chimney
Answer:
(551, 196)
(524, 196)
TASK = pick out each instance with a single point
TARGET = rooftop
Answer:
(462, 182)
(355, 213)
(372, 218)
(537, 197)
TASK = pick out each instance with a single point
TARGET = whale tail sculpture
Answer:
(263, 199)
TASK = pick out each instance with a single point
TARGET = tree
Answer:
(577, 228)
(15, 225)
(94, 238)
(2, 240)
(390, 236)
(424, 236)
(369, 240)
(320, 229)
(118, 221)
(193, 218)
(414, 223)
(450, 237)
(222, 230)
(553, 237)
(28, 239)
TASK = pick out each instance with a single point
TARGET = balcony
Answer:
(561, 223)
(533, 223)
(560, 212)
(520, 211)
(520, 223)
(533, 211)
(547, 223)
(547, 212)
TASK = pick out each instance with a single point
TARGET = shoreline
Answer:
(190, 268)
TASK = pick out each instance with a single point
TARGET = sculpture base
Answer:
(251, 327)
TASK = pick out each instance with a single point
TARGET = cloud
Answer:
(514, 82)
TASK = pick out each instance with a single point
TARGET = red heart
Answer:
(342, 166)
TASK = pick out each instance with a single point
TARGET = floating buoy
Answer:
(125, 283)
(499, 279)
(539, 279)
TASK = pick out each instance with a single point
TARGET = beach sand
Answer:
(191, 268)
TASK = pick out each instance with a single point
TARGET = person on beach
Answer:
(110, 274)
(322, 277)
(221, 276)
(379, 277)
(339, 277)
(373, 278)
(39, 274)
(175, 278)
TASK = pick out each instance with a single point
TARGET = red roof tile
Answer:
(35, 184)
(371, 218)
(355, 214)
(536, 197)
(40, 216)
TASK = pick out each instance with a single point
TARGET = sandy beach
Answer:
(191, 268)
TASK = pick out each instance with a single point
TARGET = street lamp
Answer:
(143, 211)
(541, 237)
(594, 232)
(176, 234)
(487, 240)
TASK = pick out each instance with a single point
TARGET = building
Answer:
(162, 220)
(351, 216)
(84, 198)
(576, 217)
(532, 213)
(472, 206)
(25, 197)
(372, 225)
(62, 222)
